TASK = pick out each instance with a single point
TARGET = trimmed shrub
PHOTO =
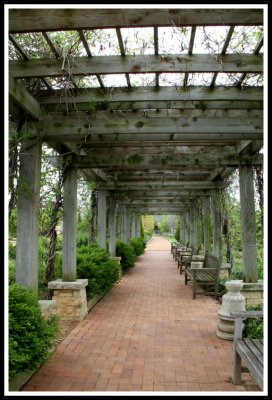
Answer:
(254, 326)
(94, 264)
(31, 337)
(138, 245)
(127, 254)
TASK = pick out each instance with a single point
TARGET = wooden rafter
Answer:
(33, 20)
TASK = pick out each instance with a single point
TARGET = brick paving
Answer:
(146, 335)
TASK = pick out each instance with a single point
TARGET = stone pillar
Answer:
(217, 225)
(28, 214)
(253, 293)
(69, 225)
(112, 227)
(71, 299)
(232, 301)
(250, 270)
(207, 224)
(102, 218)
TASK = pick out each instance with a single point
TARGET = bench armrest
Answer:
(238, 320)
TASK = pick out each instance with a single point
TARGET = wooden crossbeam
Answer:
(82, 66)
(35, 20)
(143, 161)
(149, 95)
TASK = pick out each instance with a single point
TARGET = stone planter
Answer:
(196, 264)
(232, 301)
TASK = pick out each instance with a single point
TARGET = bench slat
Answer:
(252, 362)
(258, 353)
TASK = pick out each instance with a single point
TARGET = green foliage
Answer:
(254, 326)
(82, 239)
(94, 264)
(127, 254)
(138, 245)
(31, 337)
(177, 234)
(13, 223)
(12, 271)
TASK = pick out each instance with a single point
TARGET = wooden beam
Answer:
(167, 129)
(145, 161)
(85, 43)
(117, 115)
(228, 38)
(82, 66)
(20, 95)
(55, 50)
(148, 95)
(165, 185)
(35, 20)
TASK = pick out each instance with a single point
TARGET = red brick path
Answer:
(146, 334)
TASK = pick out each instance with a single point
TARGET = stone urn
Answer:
(232, 301)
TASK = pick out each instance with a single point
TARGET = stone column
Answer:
(28, 214)
(217, 225)
(102, 218)
(69, 225)
(112, 227)
(250, 270)
(207, 224)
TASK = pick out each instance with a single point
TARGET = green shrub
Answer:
(254, 326)
(177, 233)
(94, 264)
(31, 337)
(82, 239)
(127, 254)
(12, 271)
(138, 245)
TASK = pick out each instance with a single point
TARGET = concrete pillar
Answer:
(250, 270)
(69, 225)
(102, 218)
(207, 224)
(217, 225)
(112, 227)
(28, 215)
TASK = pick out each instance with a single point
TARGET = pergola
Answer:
(165, 145)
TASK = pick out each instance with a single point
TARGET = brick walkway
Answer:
(146, 334)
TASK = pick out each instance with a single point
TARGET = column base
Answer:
(253, 293)
(71, 299)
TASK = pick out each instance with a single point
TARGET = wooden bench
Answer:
(207, 275)
(184, 258)
(248, 351)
